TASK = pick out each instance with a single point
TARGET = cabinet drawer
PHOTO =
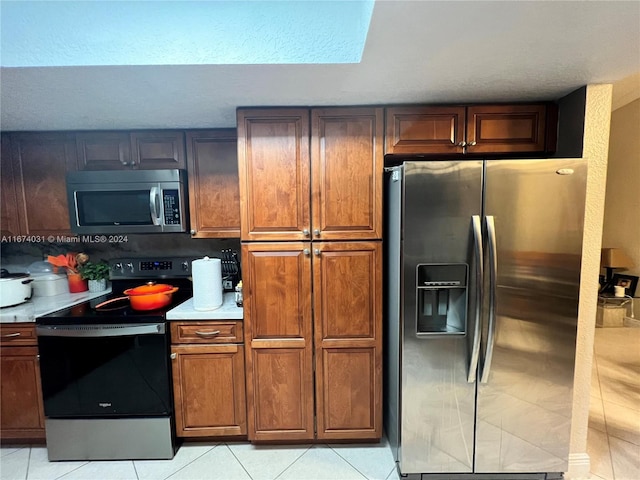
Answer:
(206, 332)
(17, 335)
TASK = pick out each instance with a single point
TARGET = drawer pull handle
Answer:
(17, 334)
(208, 334)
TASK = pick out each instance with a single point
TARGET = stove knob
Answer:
(130, 267)
(185, 266)
(118, 267)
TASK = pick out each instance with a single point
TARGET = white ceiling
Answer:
(416, 52)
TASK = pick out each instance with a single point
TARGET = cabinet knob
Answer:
(316, 252)
(306, 252)
(192, 232)
(462, 144)
(305, 232)
(316, 232)
(173, 356)
(471, 144)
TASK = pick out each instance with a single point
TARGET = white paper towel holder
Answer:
(207, 284)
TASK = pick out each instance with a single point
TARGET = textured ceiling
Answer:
(182, 32)
(415, 52)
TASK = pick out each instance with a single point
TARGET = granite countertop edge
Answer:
(38, 306)
(227, 311)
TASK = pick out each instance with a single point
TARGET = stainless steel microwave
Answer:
(127, 201)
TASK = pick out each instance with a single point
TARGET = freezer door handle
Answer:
(493, 268)
(476, 226)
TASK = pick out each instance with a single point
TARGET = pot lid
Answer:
(5, 275)
(47, 277)
(149, 289)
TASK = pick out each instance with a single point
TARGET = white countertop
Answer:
(227, 311)
(38, 306)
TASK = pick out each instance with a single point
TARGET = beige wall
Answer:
(622, 201)
(596, 147)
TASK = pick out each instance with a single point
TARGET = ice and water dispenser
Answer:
(441, 292)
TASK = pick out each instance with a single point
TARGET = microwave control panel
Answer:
(171, 207)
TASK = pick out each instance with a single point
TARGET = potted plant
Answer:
(72, 263)
(96, 273)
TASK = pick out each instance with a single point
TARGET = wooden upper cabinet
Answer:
(158, 149)
(214, 195)
(104, 150)
(273, 164)
(506, 128)
(41, 161)
(347, 308)
(279, 359)
(346, 173)
(437, 129)
(8, 204)
(472, 129)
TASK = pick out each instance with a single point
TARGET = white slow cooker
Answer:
(15, 288)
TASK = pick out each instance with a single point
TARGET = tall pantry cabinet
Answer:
(311, 227)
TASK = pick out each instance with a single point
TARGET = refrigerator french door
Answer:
(482, 280)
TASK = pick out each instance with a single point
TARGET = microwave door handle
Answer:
(154, 205)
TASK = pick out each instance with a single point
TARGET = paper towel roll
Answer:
(207, 283)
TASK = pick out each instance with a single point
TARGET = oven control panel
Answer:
(149, 268)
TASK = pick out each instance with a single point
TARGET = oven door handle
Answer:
(114, 330)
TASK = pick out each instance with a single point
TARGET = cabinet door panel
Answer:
(348, 339)
(348, 289)
(41, 162)
(347, 161)
(209, 390)
(273, 162)
(277, 291)
(103, 150)
(21, 410)
(349, 393)
(277, 323)
(158, 149)
(214, 196)
(9, 224)
(506, 128)
(416, 130)
(282, 403)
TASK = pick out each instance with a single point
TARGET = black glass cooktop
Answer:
(117, 312)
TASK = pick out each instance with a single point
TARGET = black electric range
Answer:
(106, 375)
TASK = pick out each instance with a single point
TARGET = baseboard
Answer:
(579, 467)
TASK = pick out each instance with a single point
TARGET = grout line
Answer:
(353, 466)
(135, 470)
(238, 460)
(292, 463)
(195, 459)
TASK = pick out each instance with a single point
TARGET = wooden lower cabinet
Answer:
(208, 379)
(332, 349)
(21, 407)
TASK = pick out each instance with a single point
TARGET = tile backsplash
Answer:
(16, 255)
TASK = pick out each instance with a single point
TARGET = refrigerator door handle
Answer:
(493, 268)
(476, 226)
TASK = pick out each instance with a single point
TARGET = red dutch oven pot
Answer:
(151, 296)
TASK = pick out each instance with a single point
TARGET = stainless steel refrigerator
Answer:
(482, 279)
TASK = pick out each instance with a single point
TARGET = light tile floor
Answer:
(211, 461)
(613, 443)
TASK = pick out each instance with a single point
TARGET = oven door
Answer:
(93, 371)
